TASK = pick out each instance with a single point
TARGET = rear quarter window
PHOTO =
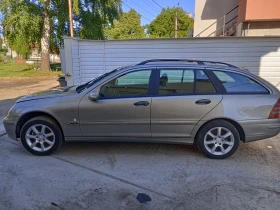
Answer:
(237, 83)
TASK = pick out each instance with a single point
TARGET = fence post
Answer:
(69, 74)
(224, 25)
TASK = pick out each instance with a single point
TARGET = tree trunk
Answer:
(45, 40)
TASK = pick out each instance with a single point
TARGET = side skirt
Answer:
(130, 139)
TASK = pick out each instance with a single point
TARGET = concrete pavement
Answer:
(110, 176)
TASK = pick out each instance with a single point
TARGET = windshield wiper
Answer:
(81, 87)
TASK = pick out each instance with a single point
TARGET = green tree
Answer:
(21, 25)
(164, 24)
(44, 22)
(127, 27)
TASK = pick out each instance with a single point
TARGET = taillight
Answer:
(275, 112)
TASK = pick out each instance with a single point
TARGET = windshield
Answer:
(92, 82)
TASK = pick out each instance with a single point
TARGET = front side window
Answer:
(237, 83)
(132, 84)
(176, 82)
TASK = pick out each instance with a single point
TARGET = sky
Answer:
(149, 9)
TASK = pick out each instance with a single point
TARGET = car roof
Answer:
(182, 63)
(198, 64)
(187, 63)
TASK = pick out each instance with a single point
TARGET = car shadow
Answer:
(78, 148)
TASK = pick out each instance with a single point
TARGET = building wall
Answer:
(258, 18)
(259, 10)
(241, 11)
(208, 12)
(86, 59)
(260, 28)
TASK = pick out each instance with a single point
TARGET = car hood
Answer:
(59, 92)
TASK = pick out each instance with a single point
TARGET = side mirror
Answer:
(93, 96)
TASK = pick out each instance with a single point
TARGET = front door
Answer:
(123, 107)
(184, 97)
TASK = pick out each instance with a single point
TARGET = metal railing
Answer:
(223, 27)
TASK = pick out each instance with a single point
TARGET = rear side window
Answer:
(177, 81)
(237, 83)
(174, 82)
(203, 83)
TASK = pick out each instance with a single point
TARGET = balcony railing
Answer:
(223, 25)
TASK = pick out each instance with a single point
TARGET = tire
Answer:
(41, 136)
(218, 139)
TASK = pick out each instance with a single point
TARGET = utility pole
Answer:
(70, 17)
(176, 22)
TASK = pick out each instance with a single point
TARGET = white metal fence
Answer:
(87, 59)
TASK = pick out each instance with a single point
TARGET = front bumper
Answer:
(260, 129)
(10, 127)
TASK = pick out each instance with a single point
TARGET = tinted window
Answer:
(237, 83)
(132, 84)
(135, 78)
(203, 83)
(174, 82)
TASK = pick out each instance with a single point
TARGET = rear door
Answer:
(183, 97)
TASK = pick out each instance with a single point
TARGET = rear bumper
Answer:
(260, 129)
(10, 127)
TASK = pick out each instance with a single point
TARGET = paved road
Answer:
(110, 176)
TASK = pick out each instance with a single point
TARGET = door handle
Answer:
(141, 103)
(203, 102)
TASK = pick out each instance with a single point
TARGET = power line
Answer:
(141, 15)
(147, 2)
(143, 8)
(157, 4)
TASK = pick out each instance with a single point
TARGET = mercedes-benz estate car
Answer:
(209, 104)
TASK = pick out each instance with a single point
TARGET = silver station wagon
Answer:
(210, 104)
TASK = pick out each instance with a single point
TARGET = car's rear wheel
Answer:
(41, 136)
(218, 139)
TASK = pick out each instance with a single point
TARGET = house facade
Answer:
(237, 18)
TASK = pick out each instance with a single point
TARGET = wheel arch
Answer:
(27, 116)
(233, 122)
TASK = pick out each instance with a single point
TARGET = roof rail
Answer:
(185, 60)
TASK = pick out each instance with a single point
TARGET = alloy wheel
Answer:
(219, 141)
(40, 138)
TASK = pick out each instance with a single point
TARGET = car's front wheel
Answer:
(218, 139)
(41, 136)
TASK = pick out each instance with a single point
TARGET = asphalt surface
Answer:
(138, 176)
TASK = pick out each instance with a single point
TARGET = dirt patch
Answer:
(16, 87)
